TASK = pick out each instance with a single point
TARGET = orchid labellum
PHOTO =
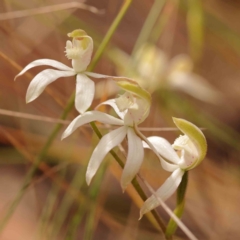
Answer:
(190, 149)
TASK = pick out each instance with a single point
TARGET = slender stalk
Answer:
(53, 197)
(148, 24)
(69, 106)
(93, 196)
(60, 216)
(172, 225)
(161, 23)
(172, 214)
(110, 33)
(195, 23)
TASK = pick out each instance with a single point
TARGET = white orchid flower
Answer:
(132, 108)
(192, 148)
(79, 50)
(154, 70)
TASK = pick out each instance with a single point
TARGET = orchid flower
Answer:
(132, 108)
(79, 50)
(192, 148)
(154, 70)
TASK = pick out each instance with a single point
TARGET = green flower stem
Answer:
(172, 226)
(45, 221)
(148, 24)
(77, 182)
(93, 194)
(195, 25)
(160, 25)
(110, 33)
(68, 108)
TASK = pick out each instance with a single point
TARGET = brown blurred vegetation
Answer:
(212, 200)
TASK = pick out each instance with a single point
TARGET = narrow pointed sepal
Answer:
(168, 153)
(85, 89)
(48, 62)
(42, 79)
(164, 192)
(164, 148)
(88, 117)
(112, 103)
(107, 143)
(134, 158)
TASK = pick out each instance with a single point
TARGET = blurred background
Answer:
(185, 52)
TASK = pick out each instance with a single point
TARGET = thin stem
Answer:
(148, 24)
(48, 9)
(67, 122)
(110, 33)
(68, 108)
(172, 225)
(161, 24)
(171, 214)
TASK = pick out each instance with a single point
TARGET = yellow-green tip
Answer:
(133, 87)
(77, 33)
(195, 135)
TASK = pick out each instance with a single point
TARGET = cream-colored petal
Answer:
(85, 89)
(134, 158)
(164, 148)
(42, 79)
(41, 62)
(112, 103)
(108, 142)
(88, 117)
(195, 86)
(164, 192)
(166, 166)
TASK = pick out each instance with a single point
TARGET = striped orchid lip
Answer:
(192, 147)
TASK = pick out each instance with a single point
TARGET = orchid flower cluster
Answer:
(131, 108)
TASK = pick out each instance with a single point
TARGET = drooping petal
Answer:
(134, 158)
(41, 62)
(164, 192)
(85, 89)
(112, 103)
(42, 79)
(164, 148)
(166, 166)
(88, 117)
(108, 142)
(195, 86)
(82, 61)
